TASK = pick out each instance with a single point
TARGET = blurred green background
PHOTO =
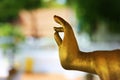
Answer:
(89, 14)
(26, 32)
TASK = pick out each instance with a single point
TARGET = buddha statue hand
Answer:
(68, 46)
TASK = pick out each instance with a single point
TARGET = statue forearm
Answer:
(81, 62)
(104, 63)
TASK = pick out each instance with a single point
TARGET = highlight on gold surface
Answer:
(106, 64)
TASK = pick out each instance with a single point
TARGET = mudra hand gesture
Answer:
(106, 64)
(68, 46)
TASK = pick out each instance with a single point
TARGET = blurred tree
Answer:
(13, 34)
(10, 36)
(9, 9)
(90, 12)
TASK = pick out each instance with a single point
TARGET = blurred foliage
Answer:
(52, 4)
(9, 9)
(90, 12)
(11, 34)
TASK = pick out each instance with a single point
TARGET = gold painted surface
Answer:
(106, 64)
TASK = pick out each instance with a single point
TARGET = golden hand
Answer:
(68, 46)
(106, 64)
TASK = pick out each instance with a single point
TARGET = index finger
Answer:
(62, 22)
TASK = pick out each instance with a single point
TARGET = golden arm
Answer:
(70, 55)
(106, 64)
